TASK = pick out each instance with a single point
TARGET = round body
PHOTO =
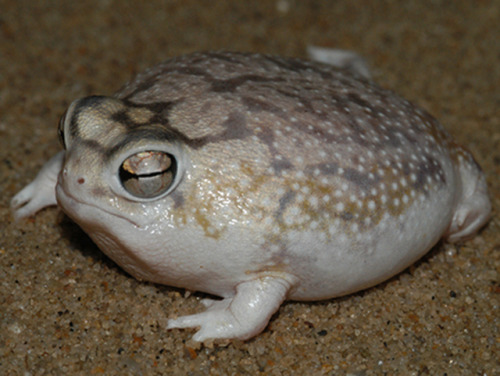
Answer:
(213, 169)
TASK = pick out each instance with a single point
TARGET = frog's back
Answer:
(337, 170)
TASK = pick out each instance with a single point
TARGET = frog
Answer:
(258, 179)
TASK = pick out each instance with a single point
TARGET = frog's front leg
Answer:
(41, 192)
(239, 317)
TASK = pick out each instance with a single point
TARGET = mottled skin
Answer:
(291, 180)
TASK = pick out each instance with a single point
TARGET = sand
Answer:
(66, 309)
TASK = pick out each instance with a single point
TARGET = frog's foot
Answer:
(40, 192)
(343, 59)
(473, 207)
(472, 212)
(242, 316)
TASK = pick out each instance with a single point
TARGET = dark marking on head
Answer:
(158, 127)
(160, 108)
(123, 118)
(161, 111)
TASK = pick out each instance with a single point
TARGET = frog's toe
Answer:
(242, 316)
(26, 202)
(215, 302)
(30, 200)
(213, 324)
(22, 197)
(40, 192)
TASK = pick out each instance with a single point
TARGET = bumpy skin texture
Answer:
(286, 179)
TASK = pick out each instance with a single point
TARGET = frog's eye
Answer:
(60, 129)
(148, 174)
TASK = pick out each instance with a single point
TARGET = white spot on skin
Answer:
(313, 201)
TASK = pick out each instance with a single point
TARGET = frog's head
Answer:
(121, 163)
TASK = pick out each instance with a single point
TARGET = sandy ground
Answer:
(66, 309)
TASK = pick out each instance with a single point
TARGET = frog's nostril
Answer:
(81, 180)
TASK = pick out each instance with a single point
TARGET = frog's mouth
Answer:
(79, 210)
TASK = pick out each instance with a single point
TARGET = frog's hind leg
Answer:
(242, 316)
(343, 59)
(473, 207)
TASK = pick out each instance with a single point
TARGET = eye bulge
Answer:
(60, 129)
(148, 174)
